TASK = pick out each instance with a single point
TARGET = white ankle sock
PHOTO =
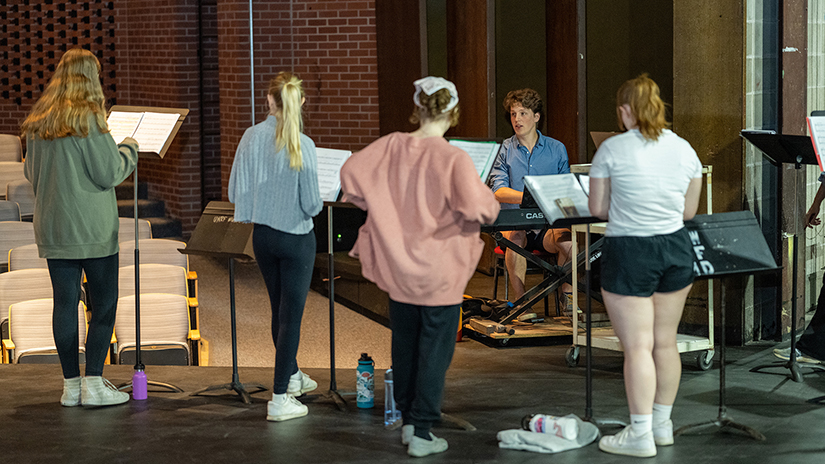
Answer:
(641, 423)
(279, 398)
(661, 413)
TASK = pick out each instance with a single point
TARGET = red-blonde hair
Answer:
(642, 95)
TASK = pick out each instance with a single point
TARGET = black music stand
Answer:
(545, 192)
(796, 150)
(727, 244)
(218, 235)
(139, 367)
(333, 385)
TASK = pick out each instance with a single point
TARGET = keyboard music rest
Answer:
(517, 219)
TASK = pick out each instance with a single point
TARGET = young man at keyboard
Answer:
(529, 152)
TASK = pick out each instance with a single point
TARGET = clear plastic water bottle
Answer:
(365, 382)
(564, 427)
(391, 413)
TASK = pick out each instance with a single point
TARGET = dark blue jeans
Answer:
(286, 262)
(423, 342)
(101, 275)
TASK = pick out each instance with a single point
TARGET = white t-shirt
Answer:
(648, 182)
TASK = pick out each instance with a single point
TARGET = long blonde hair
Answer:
(288, 94)
(642, 95)
(73, 93)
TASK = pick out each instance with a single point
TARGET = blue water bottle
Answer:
(365, 382)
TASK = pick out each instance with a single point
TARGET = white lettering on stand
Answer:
(701, 266)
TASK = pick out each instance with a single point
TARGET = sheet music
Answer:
(816, 127)
(559, 196)
(329, 171)
(123, 124)
(482, 153)
(151, 130)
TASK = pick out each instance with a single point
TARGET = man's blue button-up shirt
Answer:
(513, 162)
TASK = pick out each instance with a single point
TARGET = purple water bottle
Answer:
(139, 385)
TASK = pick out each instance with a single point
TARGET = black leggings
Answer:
(286, 262)
(101, 275)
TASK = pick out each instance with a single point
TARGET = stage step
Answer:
(126, 191)
(146, 208)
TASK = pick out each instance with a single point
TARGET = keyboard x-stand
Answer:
(528, 219)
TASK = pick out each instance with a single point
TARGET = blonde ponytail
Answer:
(288, 95)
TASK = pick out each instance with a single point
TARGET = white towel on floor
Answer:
(547, 443)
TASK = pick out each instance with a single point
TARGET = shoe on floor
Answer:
(420, 447)
(71, 392)
(300, 383)
(97, 391)
(628, 444)
(663, 433)
(284, 407)
(407, 432)
(785, 353)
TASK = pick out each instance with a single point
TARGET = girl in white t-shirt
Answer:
(646, 182)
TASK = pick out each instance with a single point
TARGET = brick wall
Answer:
(157, 65)
(330, 45)
(149, 52)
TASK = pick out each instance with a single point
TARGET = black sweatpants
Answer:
(286, 262)
(101, 275)
(423, 342)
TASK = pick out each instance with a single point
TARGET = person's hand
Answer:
(130, 140)
(811, 218)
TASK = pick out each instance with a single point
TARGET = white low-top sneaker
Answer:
(97, 391)
(284, 407)
(420, 447)
(663, 433)
(628, 444)
(300, 383)
(71, 392)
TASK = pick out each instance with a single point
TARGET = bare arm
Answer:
(508, 195)
(692, 198)
(811, 218)
(599, 201)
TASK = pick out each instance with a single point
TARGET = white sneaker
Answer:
(785, 353)
(300, 383)
(71, 392)
(663, 433)
(420, 447)
(627, 443)
(97, 391)
(284, 407)
(407, 432)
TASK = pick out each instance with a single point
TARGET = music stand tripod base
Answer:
(240, 388)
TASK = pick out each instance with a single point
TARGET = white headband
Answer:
(430, 85)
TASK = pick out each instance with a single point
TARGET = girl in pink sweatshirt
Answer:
(421, 245)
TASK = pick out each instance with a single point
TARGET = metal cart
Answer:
(603, 337)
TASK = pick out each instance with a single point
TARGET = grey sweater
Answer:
(266, 190)
(75, 209)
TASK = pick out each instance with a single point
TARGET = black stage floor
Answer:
(490, 387)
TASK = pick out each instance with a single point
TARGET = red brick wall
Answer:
(331, 45)
(157, 65)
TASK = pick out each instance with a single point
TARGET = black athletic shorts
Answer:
(641, 266)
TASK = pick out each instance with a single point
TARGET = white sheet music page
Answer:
(482, 153)
(123, 124)
(559, 196)
(154, 129)
(329, 171)
(816, 127)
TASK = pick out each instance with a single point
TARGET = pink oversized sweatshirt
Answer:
(425, 204)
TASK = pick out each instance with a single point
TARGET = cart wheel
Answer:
(503, 341)
(704, 360)
(571, 356)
